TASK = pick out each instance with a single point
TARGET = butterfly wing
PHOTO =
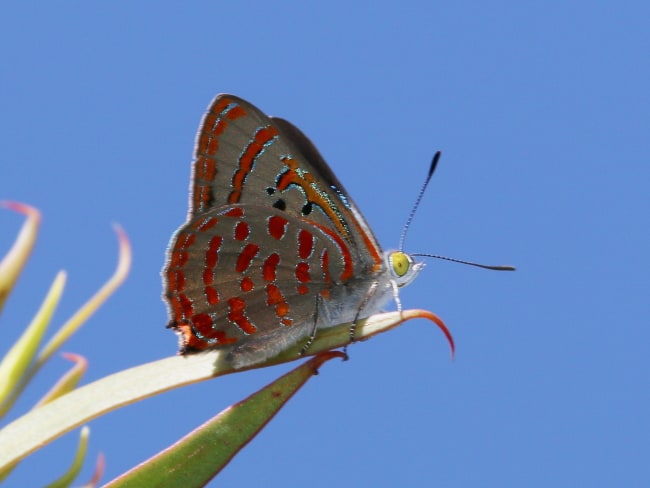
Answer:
(271, 234)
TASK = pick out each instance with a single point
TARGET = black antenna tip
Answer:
(434, 163)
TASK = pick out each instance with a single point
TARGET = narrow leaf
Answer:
(63, 386)
(68, 381)
(13, 263)
(78, 319)
(18, 359)
(97, 474)
(198, 457)
(77, 463)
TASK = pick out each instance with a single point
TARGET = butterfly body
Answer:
(274, 249)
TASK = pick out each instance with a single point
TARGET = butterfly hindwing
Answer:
(241, 270)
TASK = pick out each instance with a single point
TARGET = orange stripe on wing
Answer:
(348, 267)
(214, 124)
(263, 137)
(310, 186)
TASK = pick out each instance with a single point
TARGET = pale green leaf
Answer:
(40, 426)
(78, 319)
(68, 381)
(12, 264)
(73, 471)
(19, 358)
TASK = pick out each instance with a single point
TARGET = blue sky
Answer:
(542, 112)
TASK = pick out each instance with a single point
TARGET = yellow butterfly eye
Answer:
(401, 263)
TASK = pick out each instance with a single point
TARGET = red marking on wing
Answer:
(236, 112)
(302, 289)
(177, 308)
(192, 343)
(180, 304)
(208, 276)
(209, 120)
(211, 295)
(305, 244)
(277, 226)
(302, 272)
(206, 145)
(235, 212)
(270, 266)
(290, 176)
(201, 196)
(213, 126)
(205, 168)
(204, 325)
(348, 267)
(211, 259)
(242, 230)
(247, 284)
(275, 297)
(213, 147)
(220, 105)
(325, 266)
(212, 254)
(175, 280)
(236, 314)
(205, 224)
(245, 257)
(187, 308)
(178, 259)
(254, 148)
(185, 240)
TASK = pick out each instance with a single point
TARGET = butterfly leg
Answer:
(366, 299)
(398, 303)
(314, 328)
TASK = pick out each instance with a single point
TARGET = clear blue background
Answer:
(542, 111)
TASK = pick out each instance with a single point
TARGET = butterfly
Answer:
(274, 249)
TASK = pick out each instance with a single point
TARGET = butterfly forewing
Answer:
(245, 157)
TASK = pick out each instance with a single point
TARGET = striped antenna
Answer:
(432, 168)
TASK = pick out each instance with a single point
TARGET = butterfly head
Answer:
(402, 267)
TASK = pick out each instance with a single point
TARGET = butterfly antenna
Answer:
(478, 265)
(432, 168)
